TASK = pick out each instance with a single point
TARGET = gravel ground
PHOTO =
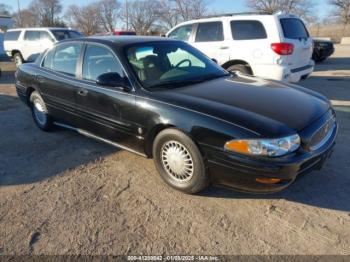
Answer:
(62, 193)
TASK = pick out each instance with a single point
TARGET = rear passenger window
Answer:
(32, 35)
(247, 30)
(99, 60)
(12, 35)
(182, 33)
(210, 32)
(65, 58)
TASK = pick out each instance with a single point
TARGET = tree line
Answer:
(147, 16)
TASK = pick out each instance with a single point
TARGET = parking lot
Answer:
(62, 193)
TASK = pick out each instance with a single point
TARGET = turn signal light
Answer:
(283, 48)
(239, 146)
(269, 181)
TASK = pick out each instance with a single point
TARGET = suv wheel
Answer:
(243, 69)
(18, 59)
(179, 161)
(39, 112)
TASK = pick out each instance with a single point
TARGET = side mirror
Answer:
(113, 79)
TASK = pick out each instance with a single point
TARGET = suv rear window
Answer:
(247, 30)
(12, 35)
(294, 28)
(210, 32)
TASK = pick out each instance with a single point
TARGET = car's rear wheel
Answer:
(179, 161)
(18, 59)
(240, 68)
(39, 112)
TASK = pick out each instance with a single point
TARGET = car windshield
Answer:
(169, 64)
(66, 34)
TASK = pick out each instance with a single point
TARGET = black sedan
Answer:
(164, 99)
(322, 50)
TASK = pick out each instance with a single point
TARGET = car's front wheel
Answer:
(179, 161)
(39, 112)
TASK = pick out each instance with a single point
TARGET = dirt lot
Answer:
(62, 193)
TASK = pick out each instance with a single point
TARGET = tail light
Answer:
(282, 48)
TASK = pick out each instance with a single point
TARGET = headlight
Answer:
(265, 147)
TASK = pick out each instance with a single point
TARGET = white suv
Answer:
(27, 43)
(269, 46)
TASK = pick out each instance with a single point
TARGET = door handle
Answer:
(40, 79)
(82, 92)
(224, 47)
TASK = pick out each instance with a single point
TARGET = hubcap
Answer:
(177, 161)
(39, 112)
(18, 61)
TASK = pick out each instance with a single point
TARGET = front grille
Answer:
(322, 135)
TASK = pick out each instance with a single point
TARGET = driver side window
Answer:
(182, 33)
(99, 60)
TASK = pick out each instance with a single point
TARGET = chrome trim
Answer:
(90, 135)
(326, 138)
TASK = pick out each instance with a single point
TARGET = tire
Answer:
(18, 59)
(172, 151)
(243, 69)
(39, 112)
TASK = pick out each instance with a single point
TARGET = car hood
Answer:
(266, 107)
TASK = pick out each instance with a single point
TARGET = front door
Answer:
(105, 111)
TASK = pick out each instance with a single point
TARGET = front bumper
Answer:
(240, 172)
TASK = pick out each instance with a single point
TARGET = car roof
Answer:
(246, 15)
(120, 40)
(39, 28)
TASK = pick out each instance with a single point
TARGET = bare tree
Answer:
(342, 11)
(27, 18)
(108, 14)
(86, 18)
(141, 15)
(47, 11)
(173, 12)
(168, 15)
(302, 8)
(191, 9)
(5, 9)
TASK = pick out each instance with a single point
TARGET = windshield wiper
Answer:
(176, 83)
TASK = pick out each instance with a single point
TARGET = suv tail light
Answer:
(282, 48)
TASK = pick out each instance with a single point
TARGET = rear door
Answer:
(31, 45)
(58, 82)
(209, 38)
(295, 32)
(250, 42)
